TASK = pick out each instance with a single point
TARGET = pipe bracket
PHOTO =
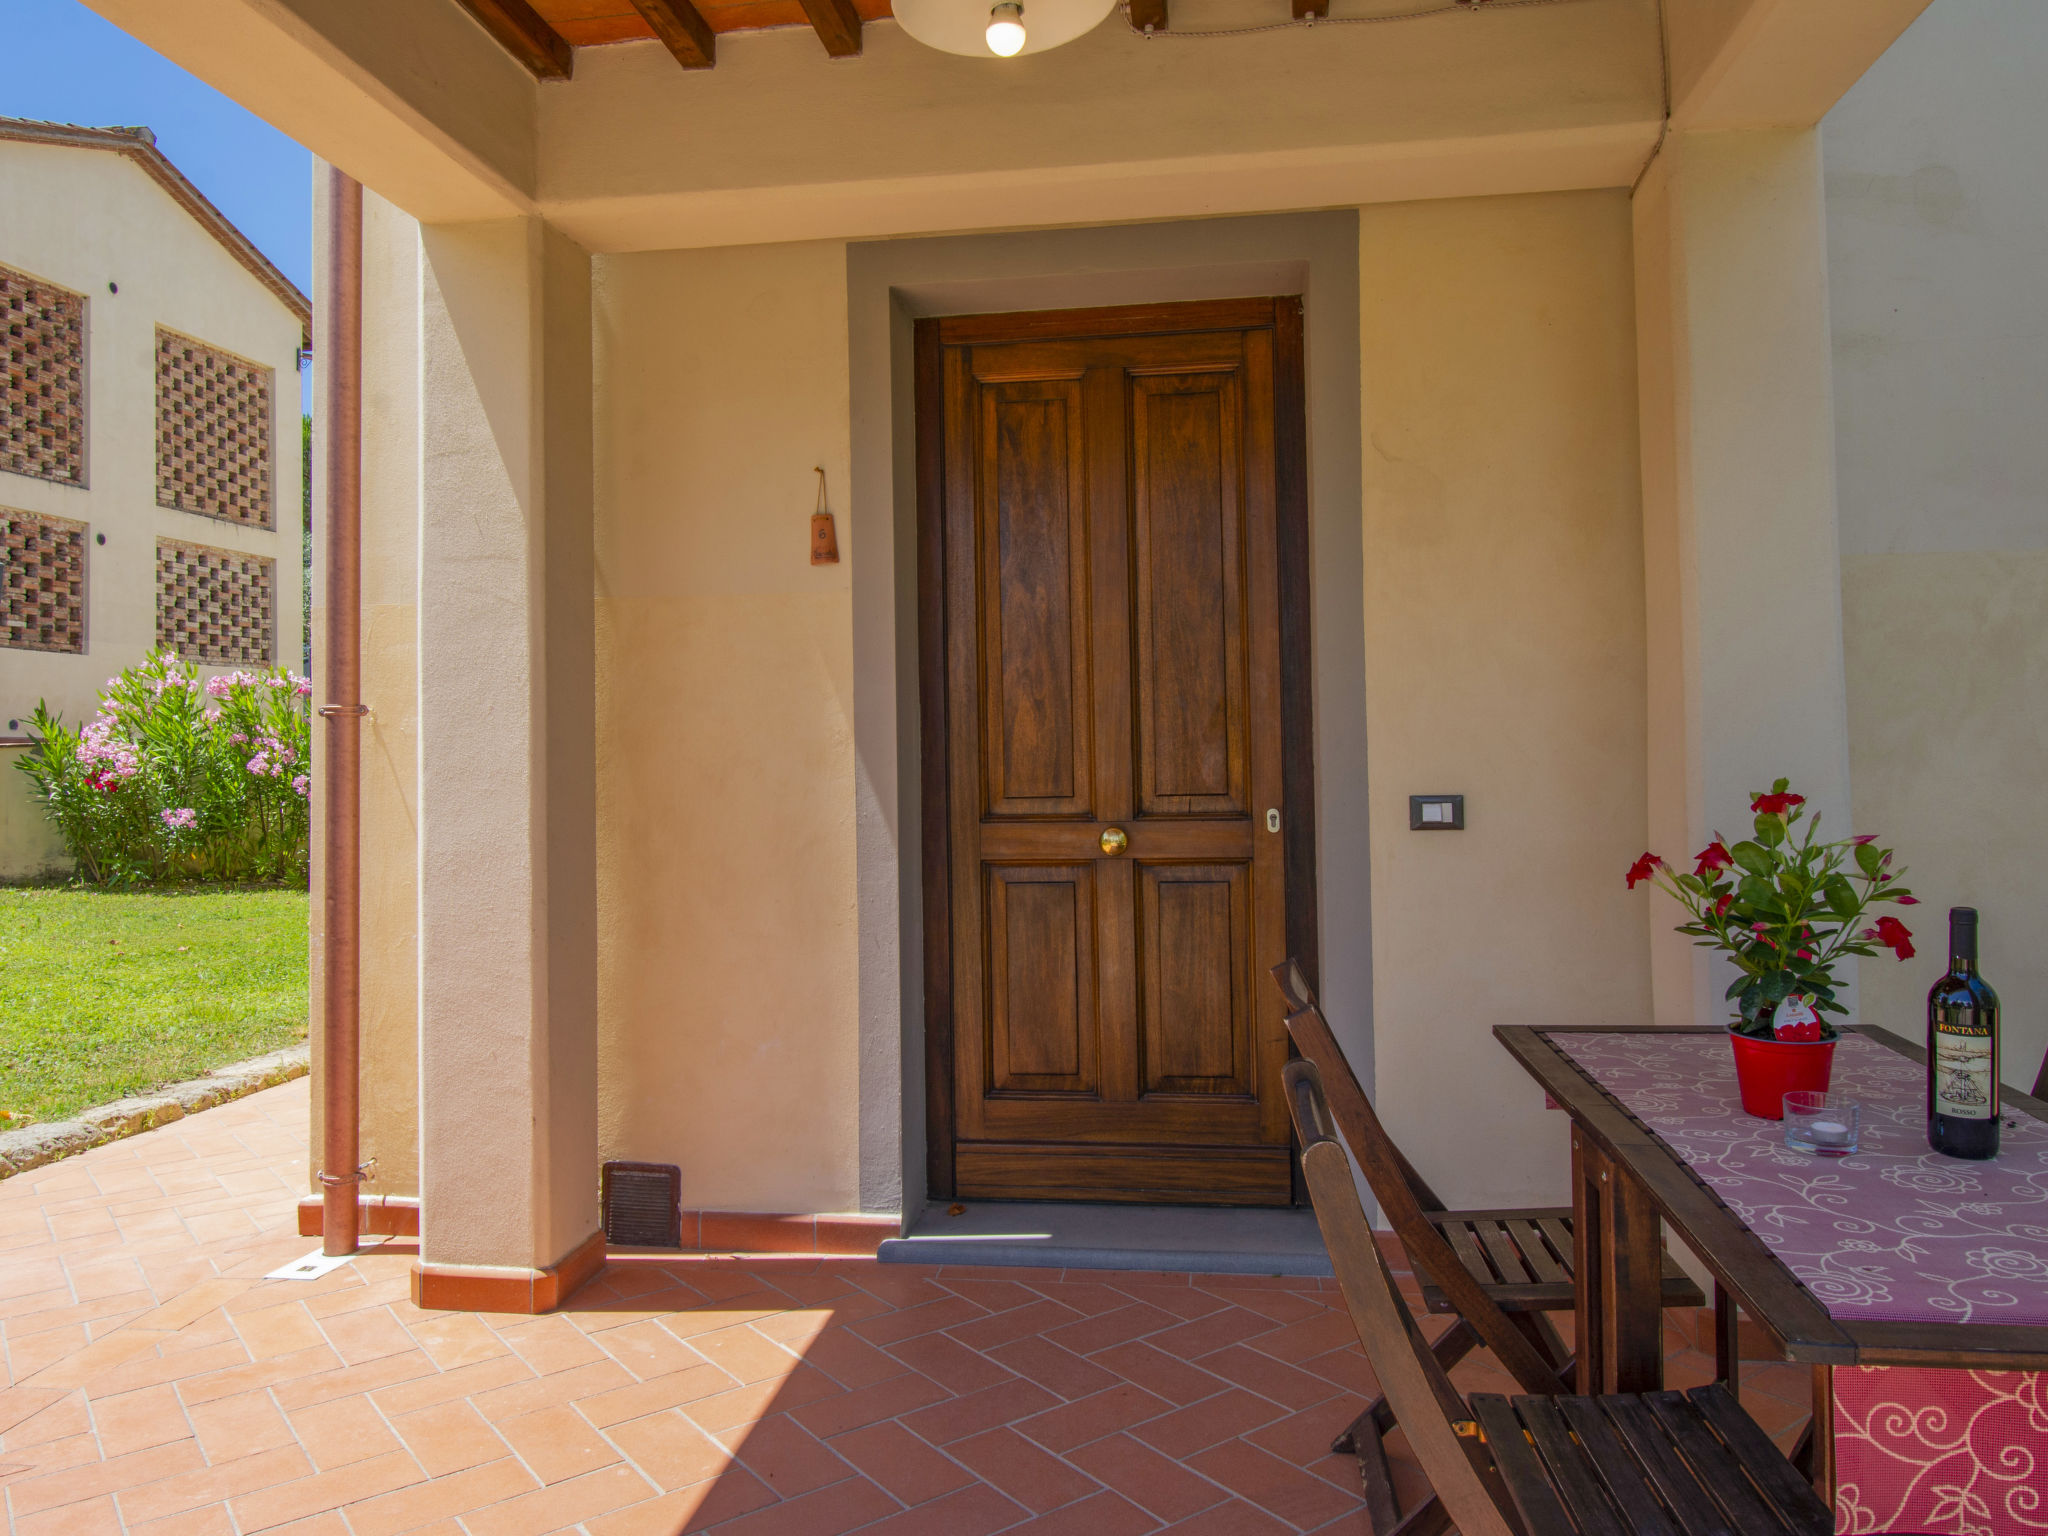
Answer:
(329, 711)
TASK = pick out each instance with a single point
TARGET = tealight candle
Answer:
(1823, 1123)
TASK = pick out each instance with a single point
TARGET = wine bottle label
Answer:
(1962, 1073)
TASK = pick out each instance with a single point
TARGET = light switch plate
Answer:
(1436, 813)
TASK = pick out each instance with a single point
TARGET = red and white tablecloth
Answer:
(1895, 1231)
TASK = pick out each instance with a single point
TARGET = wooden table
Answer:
(1628, 1183)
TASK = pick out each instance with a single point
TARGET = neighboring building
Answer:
(682, 850)
(150, 487)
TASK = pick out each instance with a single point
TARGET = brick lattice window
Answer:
(42, 354)
(42, 582)
(214, 605)
(212, 432)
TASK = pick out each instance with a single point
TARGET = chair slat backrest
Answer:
(1386, 1170)
(1425, 1403)
(1301, 998)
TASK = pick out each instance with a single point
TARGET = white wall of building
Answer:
(93, 221)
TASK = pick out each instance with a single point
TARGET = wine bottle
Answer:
(1962, 1050)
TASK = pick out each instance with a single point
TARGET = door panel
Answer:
(1034, 613)
(1041, 978)
(1197, 1024)
(1188, 532)
(1106, 576)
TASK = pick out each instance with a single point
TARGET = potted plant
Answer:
(1785, 907)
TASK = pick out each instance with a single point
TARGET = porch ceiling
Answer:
(544, 34)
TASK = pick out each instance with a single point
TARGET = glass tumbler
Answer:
(1828, 1124)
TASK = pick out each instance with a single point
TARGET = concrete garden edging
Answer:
(35, 1145)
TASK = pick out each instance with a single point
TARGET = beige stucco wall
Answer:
(1504, 661)
(29, 844)
(1503, 631)
(1938, 233)
(82, 219)
(728, 981)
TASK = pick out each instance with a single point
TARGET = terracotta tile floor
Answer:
(156, 1383)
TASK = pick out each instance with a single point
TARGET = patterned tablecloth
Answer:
(1894, 1231)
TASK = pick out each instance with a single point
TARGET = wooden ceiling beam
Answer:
(1148, 15)
(837, 24)
(682, 30)
(522, 32)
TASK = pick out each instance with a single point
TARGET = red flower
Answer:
(1711, 858)
(1894, 935)
(1775, 805)
(1643, 869)
(1804, 954)
(1907, 901)
(1868, 837)
(1763, 934)
(1721, 907)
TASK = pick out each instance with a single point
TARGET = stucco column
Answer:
(1742, 561)
(508, 1041)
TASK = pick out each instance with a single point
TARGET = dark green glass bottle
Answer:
(1962, 1050)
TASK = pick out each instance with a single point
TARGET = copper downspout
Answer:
(341, 870)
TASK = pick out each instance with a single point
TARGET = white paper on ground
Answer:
(311, 1267)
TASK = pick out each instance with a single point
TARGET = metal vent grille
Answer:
(642, 1205)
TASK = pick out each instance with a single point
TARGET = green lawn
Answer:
(104, 994)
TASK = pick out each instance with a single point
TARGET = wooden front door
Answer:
(1103, 687)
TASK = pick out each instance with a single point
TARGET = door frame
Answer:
(1283, 316)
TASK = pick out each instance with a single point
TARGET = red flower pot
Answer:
(1767, 1070)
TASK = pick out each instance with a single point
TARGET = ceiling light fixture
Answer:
(1006, 29)
(973, 28)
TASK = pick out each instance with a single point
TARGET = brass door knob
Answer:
(1114, 841)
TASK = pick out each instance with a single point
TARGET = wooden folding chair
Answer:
(1653, 1463)
(1499, 1271)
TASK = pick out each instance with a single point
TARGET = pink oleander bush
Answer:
(179, 779)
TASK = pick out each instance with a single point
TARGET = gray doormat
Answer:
(1176, 1239)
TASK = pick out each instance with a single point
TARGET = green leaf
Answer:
(1752, 858)
(1869, 858)
(1841, 897)
(1770, 831)
(1759, 897)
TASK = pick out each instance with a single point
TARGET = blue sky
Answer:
(69, 66)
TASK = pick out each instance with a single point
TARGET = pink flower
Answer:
(183, 819)
(302, 785)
